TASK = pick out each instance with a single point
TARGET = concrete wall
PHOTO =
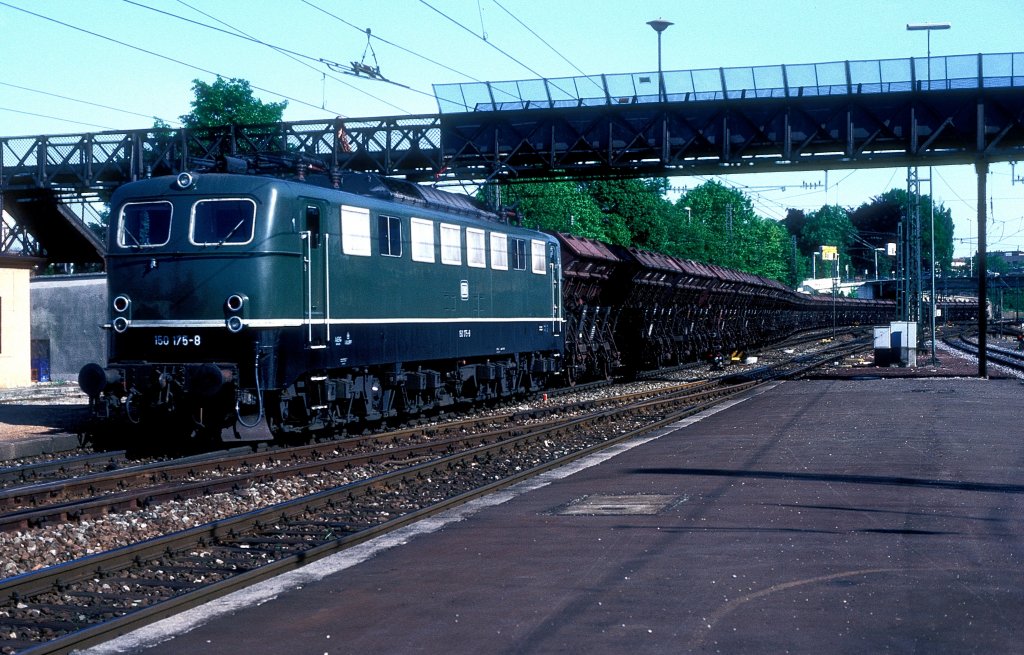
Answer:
(68, 313)
(15, 369)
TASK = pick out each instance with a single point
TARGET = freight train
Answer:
(251, 307)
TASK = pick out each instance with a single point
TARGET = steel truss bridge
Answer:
(849, 114)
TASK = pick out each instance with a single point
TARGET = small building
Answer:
(15, 320)
(823, 286)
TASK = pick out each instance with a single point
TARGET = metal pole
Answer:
(928, 29)
(660, 26)
(931, 206)
(981, 166)
(661, 81)
(835, 279)
(900, 289)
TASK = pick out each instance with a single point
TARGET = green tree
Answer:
(828, 226)
(718, 212)
(564, 206)
(878, 222)
(795, 221)
(640, 205)
(719, 228)
(995, 264)
(229, 102)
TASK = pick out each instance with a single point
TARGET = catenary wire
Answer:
(539, 37)
(449, 18)
(239, 34)
(84, 102)
(391, 43)
(56, 118)
(151, 52)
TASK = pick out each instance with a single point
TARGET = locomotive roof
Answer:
(385, 188)
(367, 185)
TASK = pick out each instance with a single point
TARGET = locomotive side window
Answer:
(421, 233)
(451, 244)
(476, 252)
(518, 253)
(217, 222)
(389, 234)
(537, 259)
(144, 224)
(355, 231)
(499, 251)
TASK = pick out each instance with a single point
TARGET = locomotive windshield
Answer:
(144, 224)
(219, 222)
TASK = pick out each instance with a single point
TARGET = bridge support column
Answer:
(981, 166)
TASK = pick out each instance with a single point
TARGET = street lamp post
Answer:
(689, 214)
(660, 26)
(928, 28)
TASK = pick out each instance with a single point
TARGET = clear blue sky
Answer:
(524, 39)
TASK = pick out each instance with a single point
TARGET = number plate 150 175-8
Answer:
(182, 340)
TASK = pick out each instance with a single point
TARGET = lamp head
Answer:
(659, 25)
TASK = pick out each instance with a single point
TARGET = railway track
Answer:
(118, 489)
(967, 342)
(69, 606)
(61, 468)
(96, 485)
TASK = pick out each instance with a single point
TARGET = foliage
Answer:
(638, 204)
(564, 206)
(862, 234)
(716, 224)
(878, 222)
(995, 264)
(720, 226)
(229, 102)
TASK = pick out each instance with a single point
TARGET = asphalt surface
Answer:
(867, 516)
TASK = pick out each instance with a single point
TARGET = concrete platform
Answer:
(841, 516)
(40, 419)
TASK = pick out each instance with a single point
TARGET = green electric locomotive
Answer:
(250, 307)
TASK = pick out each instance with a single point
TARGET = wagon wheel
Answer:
(570, 373)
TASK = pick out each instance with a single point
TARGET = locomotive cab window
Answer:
(518, 254)
(355, 231)
(220, 222)
(144, 225)
(389, 234)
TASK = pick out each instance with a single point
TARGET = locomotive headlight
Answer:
(121, 304)
(184, 180)
(234, 305)
(120, 324)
